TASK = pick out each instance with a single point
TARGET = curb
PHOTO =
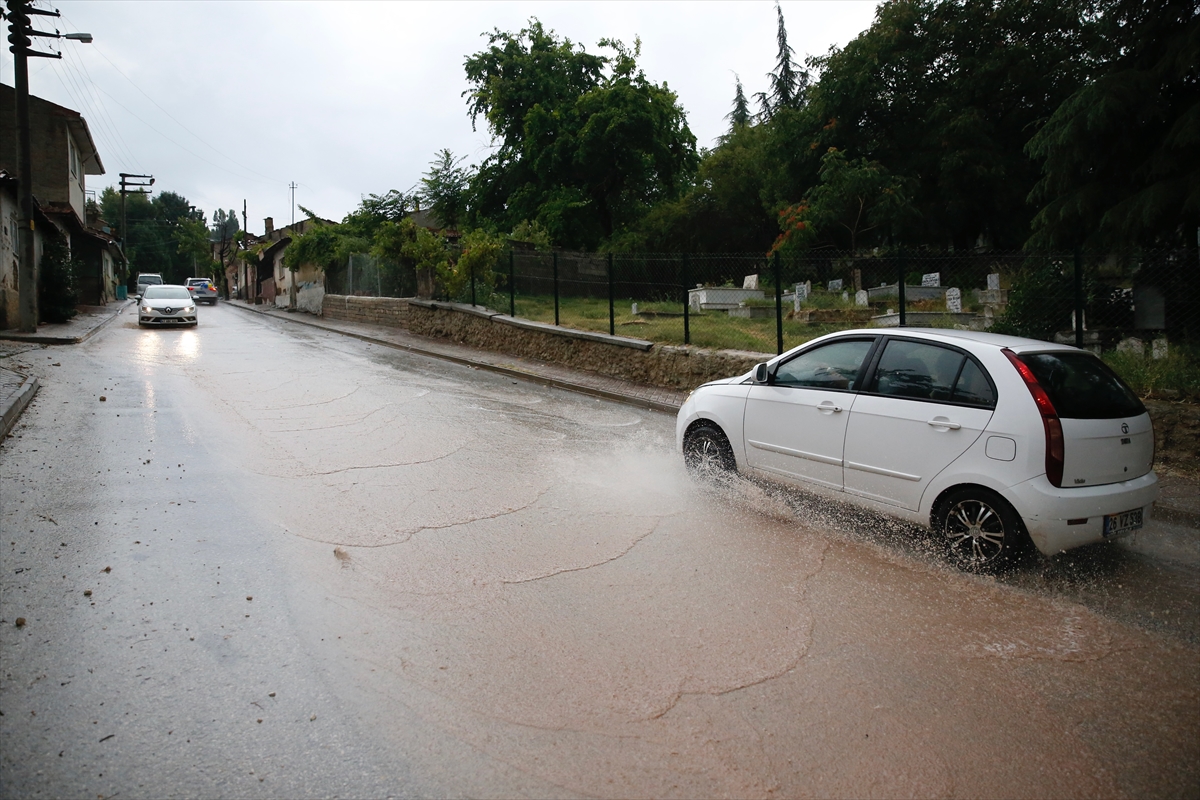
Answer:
(652, 405)
(35, 338)
(10, 415)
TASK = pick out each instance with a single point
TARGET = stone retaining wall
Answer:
(390, 311)
(616, 356)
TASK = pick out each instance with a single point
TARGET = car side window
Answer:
(917, 370)
(831, 366)
(973, 387)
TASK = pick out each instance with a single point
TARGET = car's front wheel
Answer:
(980, 528)
(706, 452)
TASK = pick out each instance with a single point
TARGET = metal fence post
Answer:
(900, 287)
(1078, 298)
(612, 320)
(555, 287)
(683, 274)
(472, 285)
(778, 306)
(512, 286)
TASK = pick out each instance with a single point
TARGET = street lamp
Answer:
(20, 30)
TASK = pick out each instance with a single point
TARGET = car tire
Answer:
(706, 452)
(982, 532)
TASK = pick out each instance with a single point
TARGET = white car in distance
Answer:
(167, 305)
(992, 441)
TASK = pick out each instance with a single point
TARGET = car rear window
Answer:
(1082, 386)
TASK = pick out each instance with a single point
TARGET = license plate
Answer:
(1125, 522)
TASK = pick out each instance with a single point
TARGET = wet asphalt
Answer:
(278, 562)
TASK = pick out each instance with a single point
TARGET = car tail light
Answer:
(1055, 452)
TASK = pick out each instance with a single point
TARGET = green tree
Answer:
(444, 188)
(740, 115)
(788, 81)
(854, 198)
(586, 143)
(1121, 156)
(410, 246)
(57, 273)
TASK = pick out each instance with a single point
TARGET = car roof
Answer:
(962, 338)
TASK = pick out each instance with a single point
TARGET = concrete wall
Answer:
(9, 255)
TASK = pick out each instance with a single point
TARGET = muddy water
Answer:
(532, 574)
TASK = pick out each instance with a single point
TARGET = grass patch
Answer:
(715, 330)
(1175, 377)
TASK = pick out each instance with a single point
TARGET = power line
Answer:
(100, 104)
(86, 104)
(172, 141)
(196, 136)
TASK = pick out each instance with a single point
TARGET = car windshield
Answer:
(1082, 386)
(149, 280)
(166, 293)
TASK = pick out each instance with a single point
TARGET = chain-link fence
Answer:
(366, 275)
(1142, 306)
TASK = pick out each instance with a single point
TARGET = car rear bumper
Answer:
(1061, 519)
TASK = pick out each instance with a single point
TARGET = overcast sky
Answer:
(225, 101)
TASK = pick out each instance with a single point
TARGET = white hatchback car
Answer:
(990, 440)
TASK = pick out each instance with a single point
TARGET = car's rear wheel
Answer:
(980, 528)
(706, 452)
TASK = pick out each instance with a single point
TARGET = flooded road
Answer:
(338, 569)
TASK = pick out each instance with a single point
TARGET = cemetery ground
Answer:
(1173, 377)
(263, 559)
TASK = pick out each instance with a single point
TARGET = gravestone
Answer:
(1149, 308)
(750, 282)
(634, 310)
(861, 298)
(954, 300)
(993, 281)
(803, 290)
(835, 285)
(845, 297)
(931, 279)
(1133, 346)
(1158, 349)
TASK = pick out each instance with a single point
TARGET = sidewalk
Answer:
(79, 329)
(652, 397)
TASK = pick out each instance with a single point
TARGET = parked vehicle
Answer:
(145, 279)
(990, 440)
(167, 305)
(203, 290)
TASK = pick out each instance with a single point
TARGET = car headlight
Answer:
(189, 309)
(145, 309)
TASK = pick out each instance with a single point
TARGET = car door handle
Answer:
(942, 422)
(828, 407)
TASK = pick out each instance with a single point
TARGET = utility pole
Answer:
(126, 183)
(292, 290)
(20, 30)
(245, 268)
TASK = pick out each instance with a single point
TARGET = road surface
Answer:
(261, 560)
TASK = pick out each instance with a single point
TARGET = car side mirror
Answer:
(761, 374)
